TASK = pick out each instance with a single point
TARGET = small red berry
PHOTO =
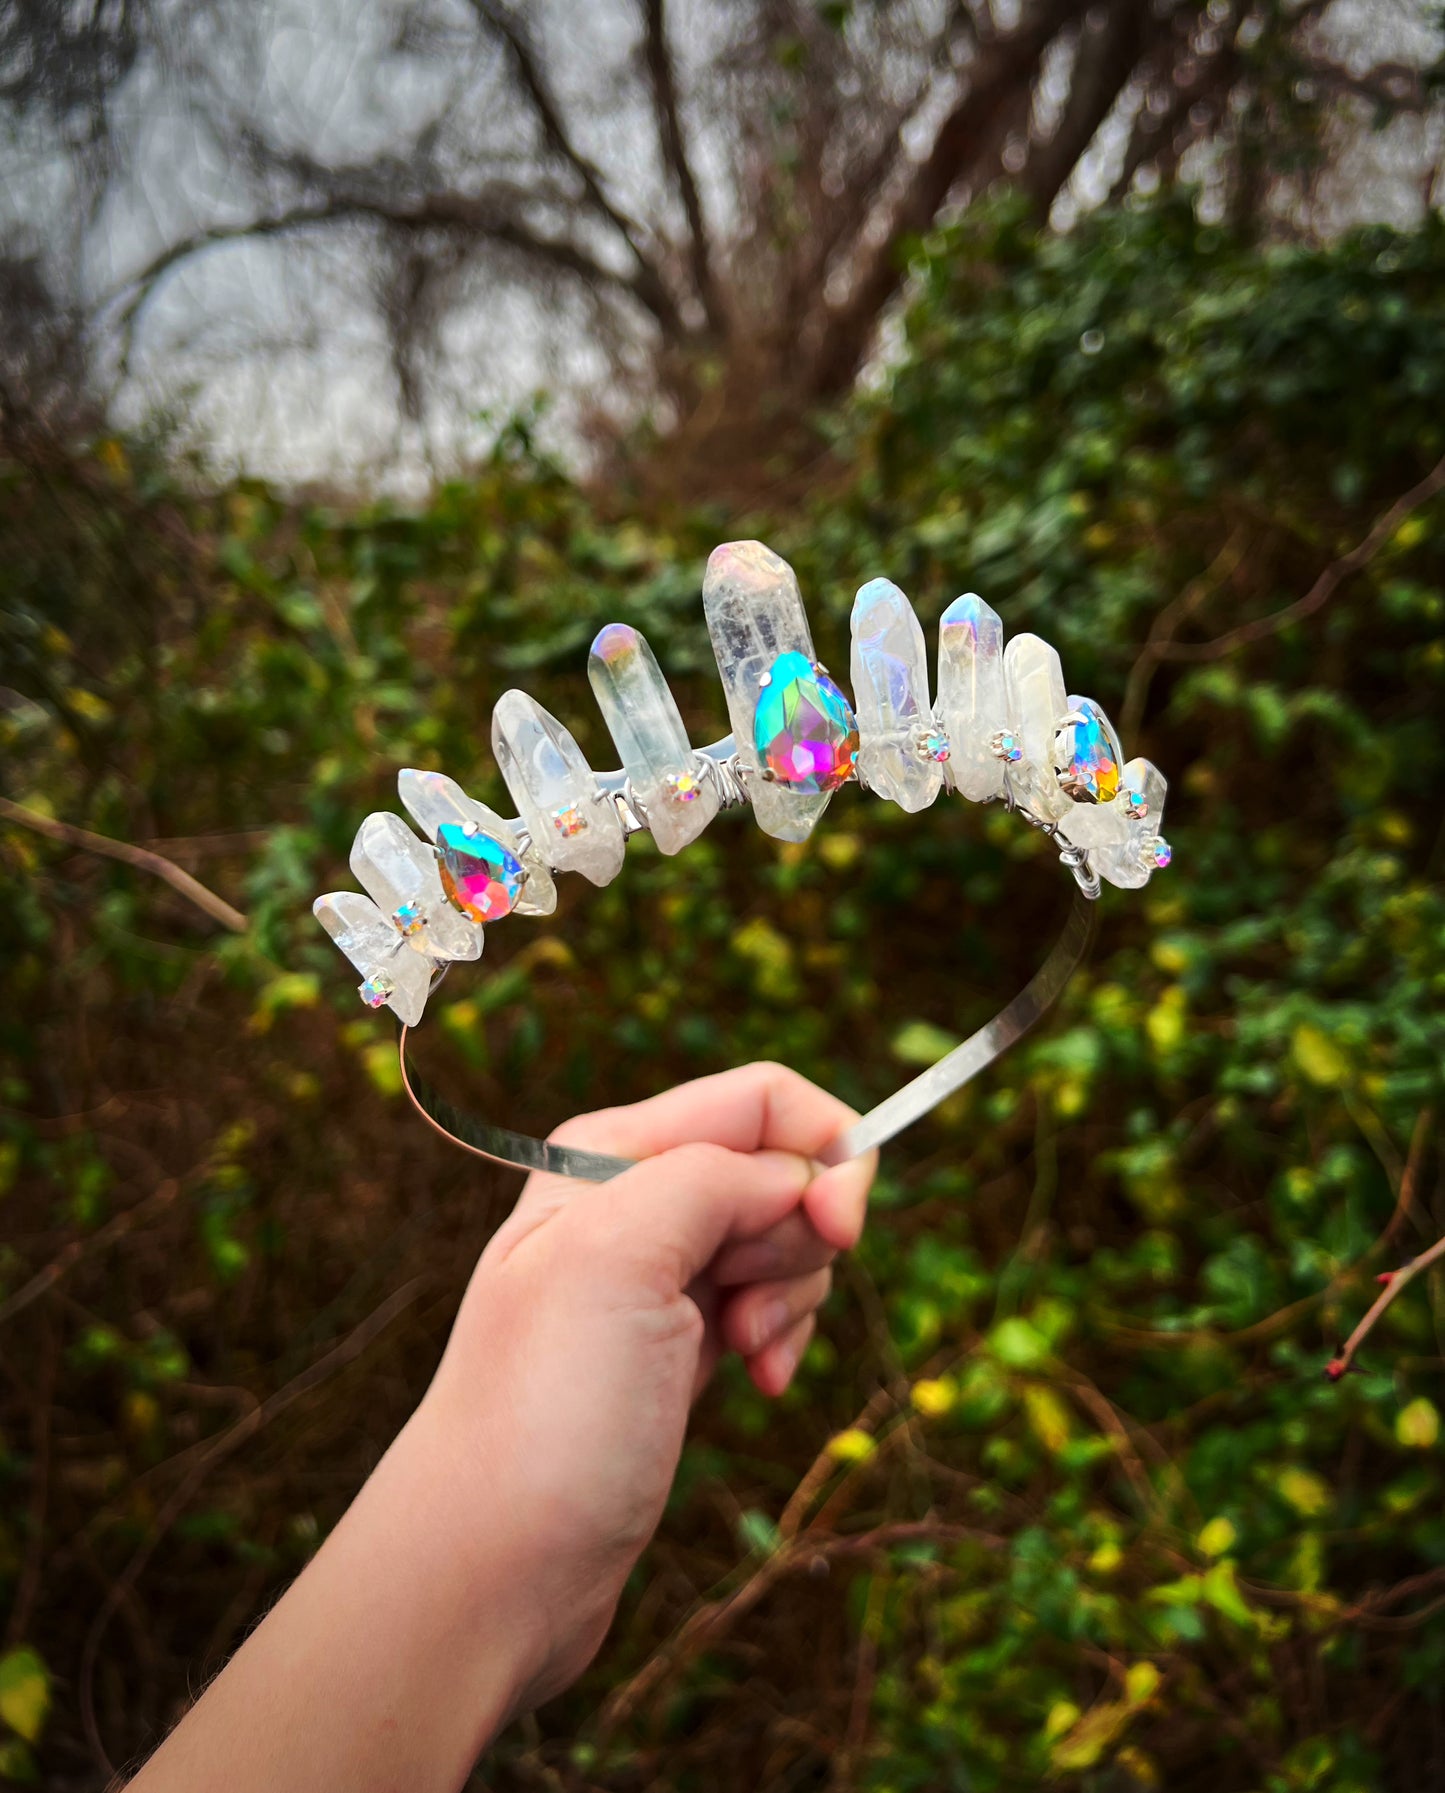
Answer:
(1335, 1368)
(1385, 1278)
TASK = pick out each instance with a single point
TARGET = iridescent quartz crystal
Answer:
(889, 668)
(573, 824)
(394, 976)
(1038, 703)
(1091, 761)
(754, 615)
(972, 707)
(401, 874)
(644, 721)
(1129, 863)
(437, 802)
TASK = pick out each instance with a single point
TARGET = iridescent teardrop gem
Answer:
(804, 729)
(1091, 772)
(481, 876)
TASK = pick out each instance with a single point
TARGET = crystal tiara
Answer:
(1004, 728)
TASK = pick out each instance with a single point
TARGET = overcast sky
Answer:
(274, 352)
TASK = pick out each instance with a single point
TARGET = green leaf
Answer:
(24, 1692)
(921, 1043)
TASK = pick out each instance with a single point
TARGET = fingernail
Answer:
(787, 1361)
(791, 1167)
(773, 1316)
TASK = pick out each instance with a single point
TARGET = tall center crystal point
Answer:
(804, 729)
(478, 873)
(1092, 772)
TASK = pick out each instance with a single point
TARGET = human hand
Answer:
(597, 1313)
(477, 1571)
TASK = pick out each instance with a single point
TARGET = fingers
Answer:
(791, 1248)
(757, 1317)
(772, 1368)
(669, 1216)
(755, 1106)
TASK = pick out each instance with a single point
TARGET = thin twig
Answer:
(1325, 586)
(143, 860)
(1166, 626)
(221, 1447)
(702, 1629)
(1399, 1281)
(86, 1247)
(1261, 1331)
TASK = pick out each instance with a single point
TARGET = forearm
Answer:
(389, 1663)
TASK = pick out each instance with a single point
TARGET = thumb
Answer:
(690, 1201)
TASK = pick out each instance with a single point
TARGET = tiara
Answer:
(1003, 729)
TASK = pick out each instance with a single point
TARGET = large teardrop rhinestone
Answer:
(481, 876)
(804, 728)
(1091, 774)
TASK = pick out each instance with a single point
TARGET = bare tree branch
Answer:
(454, 213)
(1106, 58)
(998, 69)
(182, 882)
(509, 27)
(669, 134)
(1324, 587)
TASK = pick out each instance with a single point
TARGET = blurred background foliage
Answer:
(1063, 1496)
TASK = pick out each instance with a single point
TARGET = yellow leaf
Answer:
(1090, 1737)
(838, 851)
(1106, 1559)
(24, 1692)
(1418, 1425)
(1063, 1716)
(1217, 1537)
(1048, 1418)
(1141, 1681)
(934, 1395)
(382, 1067)
(1167, 1022)
(852, 1446)
(1302, 1489)
(1318, 1057)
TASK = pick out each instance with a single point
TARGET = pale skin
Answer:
(479, 1568)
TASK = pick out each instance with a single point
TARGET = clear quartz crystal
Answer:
(433, 798)
(1129, 863)
(890, 693)
(754, 613)
(573, 825)
(972, 702)
(395, 869)
(371, 941)
(676, 792)
(1104, 823)
(1038, 702)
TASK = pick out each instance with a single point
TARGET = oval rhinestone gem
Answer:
(804, 729)
(1092, 772)
(481, 876)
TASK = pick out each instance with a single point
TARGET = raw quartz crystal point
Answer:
(402, 876)
(755, 614)
(972, 704)
(678, 797)
(1129, 863)
(572, 826)
(1092, 763)
(1037, 703)
(395, 976)
(890, 691)
(436, 802)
